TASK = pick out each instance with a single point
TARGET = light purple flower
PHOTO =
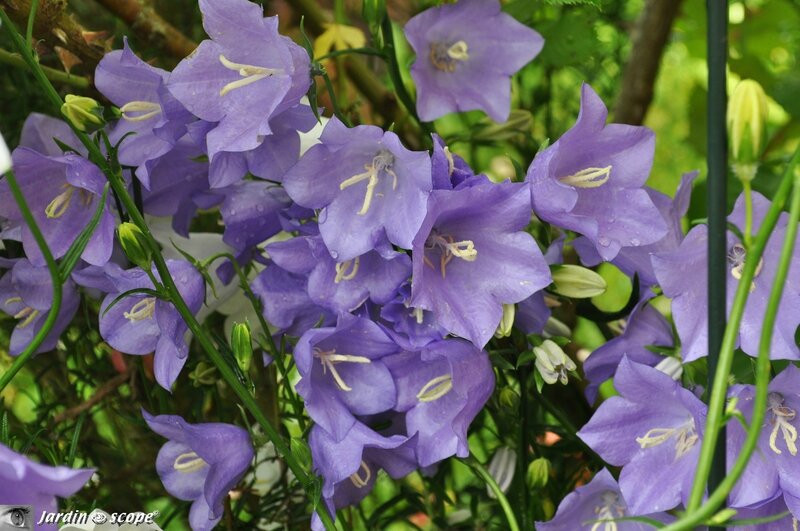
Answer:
(24, 482)
(370, 188)
(589, 506)
(201, 463)
(471, 256)
(466, 55)
(682, 274)
(591, 181)
(26, 293)
(653, 430)
(242, 77)
(411, 328)
(767, 510)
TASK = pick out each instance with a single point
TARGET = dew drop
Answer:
(635, 242)
(334, 255)
(605, 242)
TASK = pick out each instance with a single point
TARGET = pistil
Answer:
(347, 270)
(188, 462)
(446, 56)
(436, 388)
(464, 249)
(329, 359)
(782, 417)
(358, 481)
(144, 309)
(588, 177)
(147, 108)
(383, 161)
(249, 73)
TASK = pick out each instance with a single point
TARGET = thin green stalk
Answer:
(31, 21)
(492, 484)
(748, 213)
(55, 280)
(718, 497)
(117, 184)
(57, 76)
(716, 405)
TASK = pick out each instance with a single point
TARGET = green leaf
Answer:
(593, 3)
(79, 245)
(571, 40)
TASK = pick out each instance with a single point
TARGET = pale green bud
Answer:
(672, 367)
(508, 398)
(135, 245)
(538, 473)
(577, 282)
(84, 113)
(747, 127)
(203, 374)
(502, 468)
(242, 346)
(507, 322)
(553, 363)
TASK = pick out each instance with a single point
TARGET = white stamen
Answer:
(330, 359)
(436, 388)
(250, 74)
(382, 161)
(685, 437)
(588, 177)
(608, 511)
(458, 51)
(446, 57)
(144, 309)
(737, 258)
(59, 205)
(28, 315)
(13, 300)
(347, 270)
(419, 315)
(451, 163)
(464, 249)
(188, 462)
(148, 108)
(357, 480)
(782, 417)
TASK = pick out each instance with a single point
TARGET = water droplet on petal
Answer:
(334, 255)
(605, 242)
(635, 242)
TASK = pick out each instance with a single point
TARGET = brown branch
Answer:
(150, 26)
(649, 39)
(103, 391)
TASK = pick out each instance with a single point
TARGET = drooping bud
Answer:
(553, 363)
(538, 473)
(507, 322)
(501, 468)
(747, 127)
(577, 282)
(84, 113)
(672, 367)
(135, 245)
(5, 157)
(508, 398)
(242, 346)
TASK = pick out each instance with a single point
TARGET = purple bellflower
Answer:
(591, 181)
(441, 389)
(140, 323)
(767, 510)
(471, 256)
(682, 275)
(370, 188)
(411, 328)
(24, 482)
(156, 119)
(653, 430)
(343, 373)
(466, 55)
(242, 77)
(201, 463)
(26, 293)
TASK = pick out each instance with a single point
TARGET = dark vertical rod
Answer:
(717, 203)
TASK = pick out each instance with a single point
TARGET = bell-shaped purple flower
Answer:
(766, 511)
(589, 506)
(683, 276)
(24, 482)
(26, 293)
(466, 55)
(591, 181)
(370, 188)
(151, 116)
(653, 430)
(411, 328)
(343, 373)
(471, 256)
(201, 463)
(441, 389)
(243, 76)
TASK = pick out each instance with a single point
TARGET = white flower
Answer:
(5, 157)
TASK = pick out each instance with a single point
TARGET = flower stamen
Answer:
(347, 270)
(188, 462)
(588, 177)
(782, 417)
(250, 74)
(144, 309)
(464, 249)
(27, 315)
(436, 388)
(445, 57)
(383, 161)
(608, 511)
(357, 480)
(685, 436)
(329, 361)
(147, 108)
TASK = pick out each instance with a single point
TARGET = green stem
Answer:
(716, 406)
(748, 213)
(492, 484)
(31, 20)
(55, 280)
(117, 184)
(718, 497)
(57, 76)
(352, 51)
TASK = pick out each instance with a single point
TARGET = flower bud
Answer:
(538, 473)
(203, 374)
(577, 282)
(507, 322)
(747, 126)
(501, 468)
(508, 398)
(84, 113)
(5, 157)
(242, 346)
(672, 367)
(135, 245)
(553, 363)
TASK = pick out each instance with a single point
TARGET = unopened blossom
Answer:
(472, 255)
(24, 482)
(653, 430)
(251, 212)
(343, 373)
(151, 117)
(5, 156)
(140, 323)
(466, 55)
(371, 190)
(201, 463)
(26, 294)
(682, 274)
(553, 363)
(595, 507)
(242, 76)
(447, 169)
(591, 181)
(441, 389)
